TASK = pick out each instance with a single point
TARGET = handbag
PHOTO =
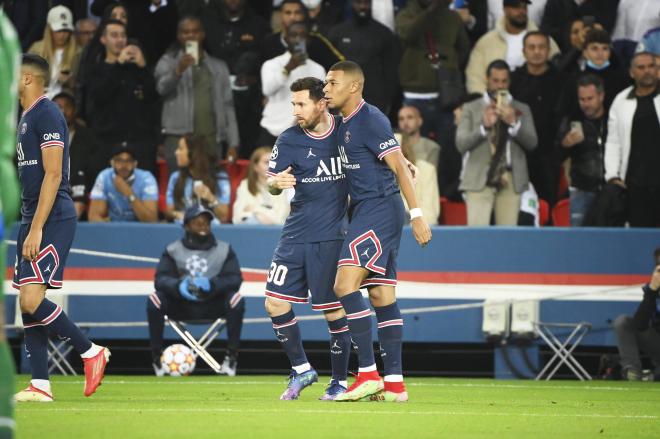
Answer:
(450, 81)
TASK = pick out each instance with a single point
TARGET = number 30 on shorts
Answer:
(277, 274)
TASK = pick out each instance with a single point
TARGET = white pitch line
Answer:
(289, 411)
(183, 381)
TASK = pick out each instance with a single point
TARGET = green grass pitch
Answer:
(248, 407)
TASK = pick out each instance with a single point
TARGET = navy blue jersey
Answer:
(318, 207)
(42, 126)
(365, 138)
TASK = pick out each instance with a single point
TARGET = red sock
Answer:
(373, 375)
(395, 387)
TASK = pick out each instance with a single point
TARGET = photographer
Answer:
(277, 75)
(197, 278)
(493, 134)
(641, 331)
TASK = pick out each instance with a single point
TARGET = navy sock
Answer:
(340, 348)
(359, 325)
(287, 332)
(51, 316)
(390, 334)
(36, 346)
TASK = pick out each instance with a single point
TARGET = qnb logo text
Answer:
(387, 144)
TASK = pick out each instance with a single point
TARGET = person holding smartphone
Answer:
(641, 332)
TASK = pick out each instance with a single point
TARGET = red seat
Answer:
(544, 212)
(452, 213)
(236, 171)
(163, 178)
(561, 214)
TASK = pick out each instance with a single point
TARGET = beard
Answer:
(362, 19)
(518, 22)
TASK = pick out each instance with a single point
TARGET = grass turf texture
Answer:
(248, 406)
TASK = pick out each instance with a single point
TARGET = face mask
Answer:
(593, 66)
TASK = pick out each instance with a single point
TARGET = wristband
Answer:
(415, 213)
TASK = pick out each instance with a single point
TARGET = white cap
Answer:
(60, 18)
(311, 4)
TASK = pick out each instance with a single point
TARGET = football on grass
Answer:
(178, 360)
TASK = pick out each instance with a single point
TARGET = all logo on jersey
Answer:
(274, 153)
(328, 170)
(344, 159)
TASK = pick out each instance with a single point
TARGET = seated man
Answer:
(123, 192)
(641, 331)
(197, 278)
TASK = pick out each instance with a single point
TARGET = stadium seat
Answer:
(452, 213)
(163, 179)
(236, 171)
(199, 346)
(544, 212)
(561, 214)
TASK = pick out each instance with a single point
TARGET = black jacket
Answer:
(227, 282)
(81, 151)
(375, 48)
(29, 18)
(647, 315)
(614, 79)
(610, 208)
(587, 158)
(124, 98)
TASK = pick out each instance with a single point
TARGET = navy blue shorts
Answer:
(373, 238)
(301, 270)
(48, 269)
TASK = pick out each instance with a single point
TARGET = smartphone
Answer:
(576, 125)
(502, 98)
(192, 49)
(300, 47)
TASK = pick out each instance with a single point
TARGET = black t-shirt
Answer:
(644, 145)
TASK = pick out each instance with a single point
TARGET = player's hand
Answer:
(122, 186)
(184, 286)
(203, 283)
(284, 180)
(32, 244)
(421, 231)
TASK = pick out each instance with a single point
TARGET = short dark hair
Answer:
(536, 33)
(591, 79)
(37, 62)
(642, 53)
(294, 2)
(190, 17)
(347, 67)
(498, 64)
(599, 36)
(109, 22)
(66, 96)
(314, 85)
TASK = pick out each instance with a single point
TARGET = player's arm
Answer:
(52, 162)
(280, 181)
(398, 164)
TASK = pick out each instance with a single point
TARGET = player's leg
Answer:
(235, 306)
(288, 334)
(390, 336)
(157, 305)
(340, 352)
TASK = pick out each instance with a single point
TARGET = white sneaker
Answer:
(228, 366)
(32, 394)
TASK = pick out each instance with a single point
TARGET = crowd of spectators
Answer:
(496, 101)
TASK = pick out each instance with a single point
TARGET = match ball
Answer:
(177, 360)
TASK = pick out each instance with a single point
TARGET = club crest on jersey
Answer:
(347, 136)
(23, 127)
(274, 153)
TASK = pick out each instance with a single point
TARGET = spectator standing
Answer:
(496, 11)
(123, 192)
(535, 83)
(634, 19)
(582, 139)
(504, 42)
(197, 94)
(631, 152)
(123, 92)
(372, 45)
(426, 185)
(82, 148)
(60, 49)
(410, 123)
(198, 277)
(254, 203)
(493, 134)
(641, 332)
(277, 75)
(197, 181)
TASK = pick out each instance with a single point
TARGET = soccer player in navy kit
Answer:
(46, 233)
(373, 161)
(305, 158)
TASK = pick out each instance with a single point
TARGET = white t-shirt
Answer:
(54, 86)
(514, 50)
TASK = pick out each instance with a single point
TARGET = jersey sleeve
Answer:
(149, 188)
(99, 191)
(379, 137)
(51, 130)
(281, 157)
(224, 188)
(169, 196)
